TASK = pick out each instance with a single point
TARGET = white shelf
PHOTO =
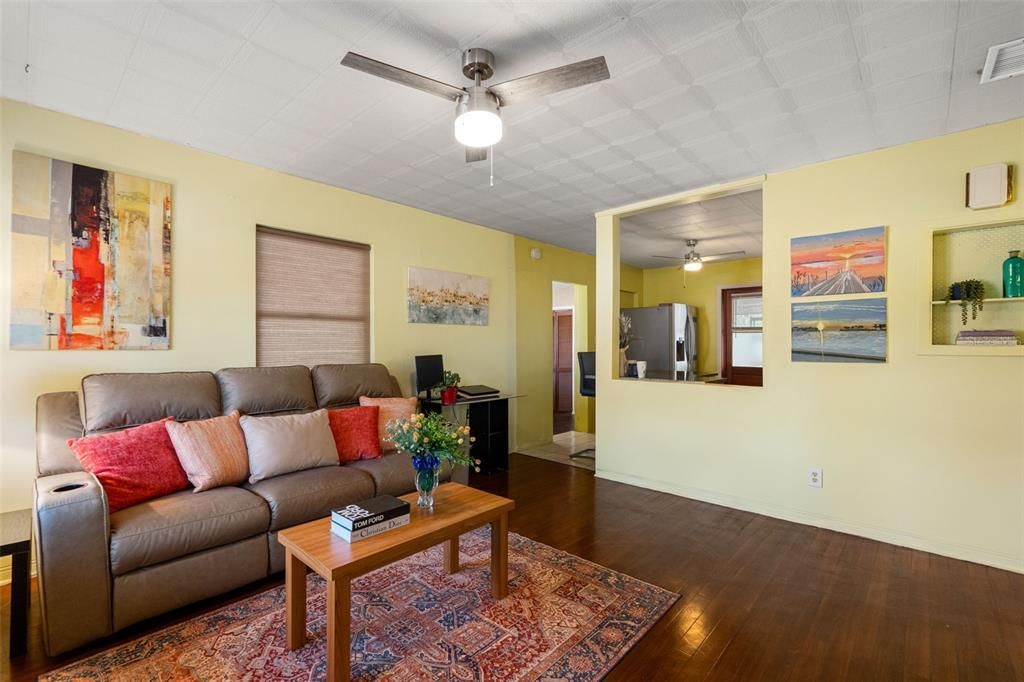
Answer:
(984, 300)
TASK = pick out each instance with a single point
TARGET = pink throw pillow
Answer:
(133, 465)
(390, 409)
(211, 451)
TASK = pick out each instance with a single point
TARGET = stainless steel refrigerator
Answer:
(665, 336)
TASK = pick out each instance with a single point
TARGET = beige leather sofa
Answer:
(101, 572)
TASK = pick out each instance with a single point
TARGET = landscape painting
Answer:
(90, 258)
(850, 262)
(840, 331)
(439, 297)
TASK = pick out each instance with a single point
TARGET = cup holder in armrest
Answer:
(68, 488)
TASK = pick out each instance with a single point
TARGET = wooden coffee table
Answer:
(311, 546)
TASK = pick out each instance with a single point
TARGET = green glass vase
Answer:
(1013, 276)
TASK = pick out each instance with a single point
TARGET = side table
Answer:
(16, 541)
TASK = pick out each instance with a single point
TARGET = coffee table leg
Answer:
(19, 603)
(339, 635)
(499, 557)
(451, 555)
(295, 600)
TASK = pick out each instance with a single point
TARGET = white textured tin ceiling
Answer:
(701, 92)
(724, 225)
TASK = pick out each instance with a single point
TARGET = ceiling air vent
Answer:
(1004, 61)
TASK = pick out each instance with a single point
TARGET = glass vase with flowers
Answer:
(431, 440)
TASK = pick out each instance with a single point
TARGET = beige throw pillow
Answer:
(390, 409)
(211, 451)
(284, 443)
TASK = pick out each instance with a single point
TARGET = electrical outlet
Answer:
(814, 477)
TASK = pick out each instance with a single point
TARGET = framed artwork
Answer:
(850, 262)
(90, 258)
(439, 297)
(851, 330)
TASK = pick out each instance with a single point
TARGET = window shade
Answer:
(312, 300)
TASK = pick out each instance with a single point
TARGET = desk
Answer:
(488, 423)
(15, 541)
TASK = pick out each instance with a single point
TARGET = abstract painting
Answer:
(91, 258)
(850, 262)
(852, 330)
(439, 297)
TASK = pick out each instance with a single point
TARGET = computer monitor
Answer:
(429, 372)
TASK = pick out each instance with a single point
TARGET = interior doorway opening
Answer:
(563, 354)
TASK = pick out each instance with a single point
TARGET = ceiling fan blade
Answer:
(551, 81)
(719, 256)
(679, 258)
(474, 154)
(401, 76)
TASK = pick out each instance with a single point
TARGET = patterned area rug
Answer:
(564, 619)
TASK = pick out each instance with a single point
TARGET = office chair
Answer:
(588, 389)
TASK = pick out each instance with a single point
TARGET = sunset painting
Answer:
(850, 262)
(90, 258)
(439, 297)
(852, 330)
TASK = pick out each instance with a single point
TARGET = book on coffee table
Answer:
(369, 512)
(369, 531)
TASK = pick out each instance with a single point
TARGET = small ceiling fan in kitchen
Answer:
(478, 106)
(693, 261)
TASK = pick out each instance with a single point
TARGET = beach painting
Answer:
(852, 330)
(850, 262)
(440, 297)
(90, 258)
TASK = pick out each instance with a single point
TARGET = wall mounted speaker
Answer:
(989, 186)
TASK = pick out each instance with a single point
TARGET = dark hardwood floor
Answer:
(762, 599)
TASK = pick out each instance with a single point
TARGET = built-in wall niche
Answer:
(975, 253)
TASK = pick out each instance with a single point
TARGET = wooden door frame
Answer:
(555, 314)
(726, 328)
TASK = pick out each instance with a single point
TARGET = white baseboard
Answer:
(5, 569)
(893, 537)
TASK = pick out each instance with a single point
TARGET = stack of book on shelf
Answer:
(368, 518)
(986, 337)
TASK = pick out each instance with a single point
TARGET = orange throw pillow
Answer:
(390, 409)
(211, 451)
(355, 432)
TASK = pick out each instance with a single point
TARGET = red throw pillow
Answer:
(133, 465)
(355, 432)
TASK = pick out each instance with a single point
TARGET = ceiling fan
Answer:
(477, 106)
(693, 261)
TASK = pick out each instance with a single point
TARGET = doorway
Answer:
(742, 336)
(562, 370)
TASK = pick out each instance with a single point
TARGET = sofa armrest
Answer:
(71, 531)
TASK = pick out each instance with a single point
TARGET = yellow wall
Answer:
(925, 450)
(704, 290)
(217, 205)
(533, 333)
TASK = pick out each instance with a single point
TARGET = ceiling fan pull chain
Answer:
(490, 156)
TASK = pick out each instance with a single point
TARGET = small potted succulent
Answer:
(431, 439)
(969, 292)
(449, 387)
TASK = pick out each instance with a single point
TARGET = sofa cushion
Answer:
(355, 432)
(133, 465)
(393, 474)
(211, 451)
(115, 401)
(58, 419)
(283, 443)
(266, 390)
(342, 385)
(311, 494)
(181, 524)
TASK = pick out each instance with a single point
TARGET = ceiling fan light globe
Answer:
(478, 128)
(693, 266)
